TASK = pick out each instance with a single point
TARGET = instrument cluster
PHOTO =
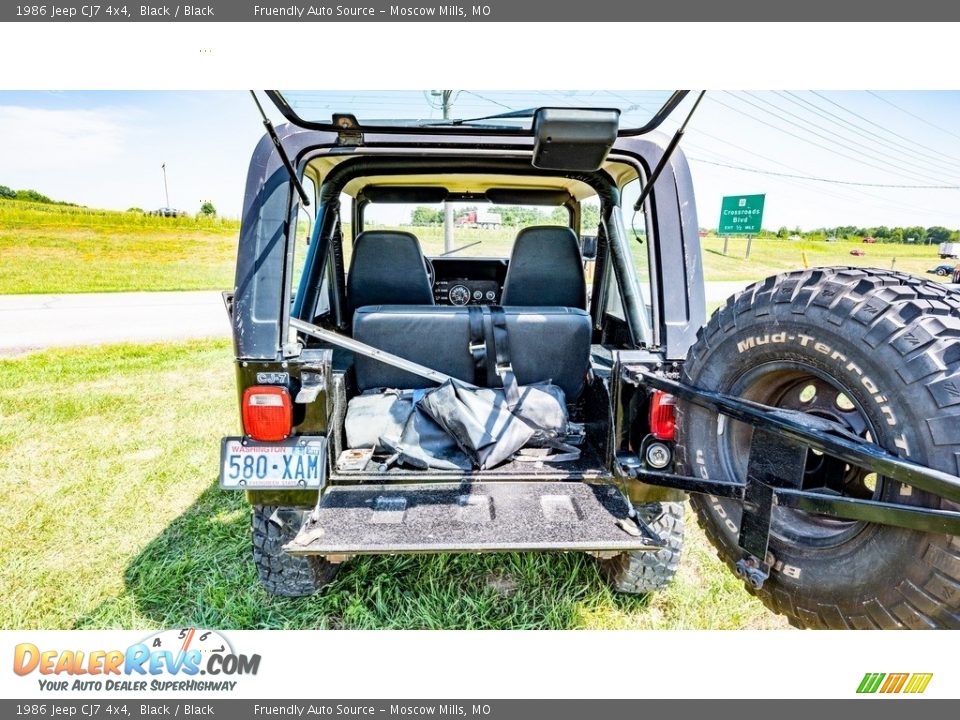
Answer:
(464, 291)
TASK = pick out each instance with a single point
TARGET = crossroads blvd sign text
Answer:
(741, 215)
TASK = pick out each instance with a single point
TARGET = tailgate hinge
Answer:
(348, 130)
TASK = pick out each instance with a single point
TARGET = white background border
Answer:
(493, 664)
(551, 56)
(511, 56)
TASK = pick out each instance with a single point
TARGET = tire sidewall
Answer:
(856, 568)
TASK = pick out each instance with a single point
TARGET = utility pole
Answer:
(166, 191)
(446, 100)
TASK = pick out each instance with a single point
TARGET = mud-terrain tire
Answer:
(638, 573)
(880, 346)
(280, 573)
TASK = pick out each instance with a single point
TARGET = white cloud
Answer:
(35, 140)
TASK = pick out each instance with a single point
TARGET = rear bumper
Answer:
(477, 517)
(639, 492)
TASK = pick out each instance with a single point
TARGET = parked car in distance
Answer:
(858, 252)
(168, 212)
(941, 270)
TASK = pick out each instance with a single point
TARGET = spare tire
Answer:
(878, 352)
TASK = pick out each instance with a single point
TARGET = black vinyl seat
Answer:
(387, 268)
(546, 344)
(546, 269)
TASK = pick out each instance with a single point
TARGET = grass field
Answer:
(768, 257)
(61, 249)
(110, 518)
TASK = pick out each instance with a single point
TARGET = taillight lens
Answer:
(663, 419)
(267, 413)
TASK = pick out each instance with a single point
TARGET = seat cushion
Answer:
(547, 344)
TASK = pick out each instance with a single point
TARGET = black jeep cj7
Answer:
(545, 379)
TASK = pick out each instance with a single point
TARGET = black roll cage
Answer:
(602, 183)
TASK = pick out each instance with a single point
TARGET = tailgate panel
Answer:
(473, 517)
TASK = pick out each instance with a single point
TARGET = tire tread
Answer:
(280, 573)
(921, 319)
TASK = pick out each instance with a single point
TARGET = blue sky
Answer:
(105, 149)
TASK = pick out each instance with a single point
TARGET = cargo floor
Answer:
(589, 466)
(470, 517)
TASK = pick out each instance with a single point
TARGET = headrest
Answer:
(387, 268)
(546, 269)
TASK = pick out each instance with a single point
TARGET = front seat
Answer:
(387, 268)
(545, 269)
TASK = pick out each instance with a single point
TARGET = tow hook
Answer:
(751, 571)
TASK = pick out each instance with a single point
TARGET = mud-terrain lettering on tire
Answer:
(890, 343)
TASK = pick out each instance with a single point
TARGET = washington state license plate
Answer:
(295, 463)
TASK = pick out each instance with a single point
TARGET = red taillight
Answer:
(663, 420)
(267, 413)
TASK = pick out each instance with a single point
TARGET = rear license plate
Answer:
(295, 463)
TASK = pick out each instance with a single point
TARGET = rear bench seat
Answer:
(546, 344)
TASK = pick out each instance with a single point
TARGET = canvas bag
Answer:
(388, 422)
(490, 428)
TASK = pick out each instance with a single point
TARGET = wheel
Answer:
(942, 272)
(282, 574)
(878, 352)
(647, 571)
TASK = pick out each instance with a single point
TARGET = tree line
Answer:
(933, 235)
(7, 193)
(513, 215)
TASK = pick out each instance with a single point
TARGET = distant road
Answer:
(720, 290)
(33, 322)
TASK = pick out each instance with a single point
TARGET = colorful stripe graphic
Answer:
(894, 683)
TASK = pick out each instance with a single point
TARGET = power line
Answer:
(489, 100)
(913, 115)
(918, 117)
(830, 150)
(812, 178)
(937, 163)
(805, 125)
(887, 202)
(861, 196)
(877, 201)
(888, 130)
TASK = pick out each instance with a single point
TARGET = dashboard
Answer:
(468, 281)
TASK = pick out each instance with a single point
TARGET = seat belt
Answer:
(501, 347)
(478, 345)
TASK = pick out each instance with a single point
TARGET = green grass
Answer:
(110, 518)
(768, 257)
(59, 249)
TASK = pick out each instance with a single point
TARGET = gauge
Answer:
(491, 295)
(459, 295)
(478, 294)
(206, 641)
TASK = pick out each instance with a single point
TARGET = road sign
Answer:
(741, 214)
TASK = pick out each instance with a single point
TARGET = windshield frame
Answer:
(463, 128)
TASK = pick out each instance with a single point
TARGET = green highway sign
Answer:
(741, 215)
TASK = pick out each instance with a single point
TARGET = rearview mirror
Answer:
(573, 138)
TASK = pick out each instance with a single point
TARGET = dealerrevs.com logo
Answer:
(891, 683)
(170, 660)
